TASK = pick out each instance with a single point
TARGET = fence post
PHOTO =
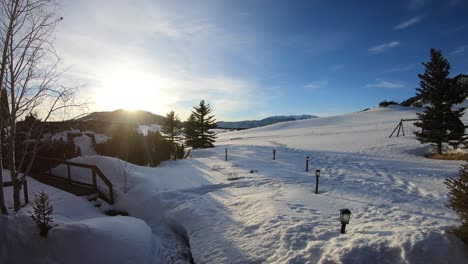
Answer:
(317, 175)
(274, 154)
(94, 178)
(25, 190)
(111, 194)
(225, 152)
(307, 163)
(69, 175)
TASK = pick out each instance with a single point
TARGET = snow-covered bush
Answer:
(458, 197)
(42, 212)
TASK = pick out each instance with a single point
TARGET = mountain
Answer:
(124, 116)
(264, 122)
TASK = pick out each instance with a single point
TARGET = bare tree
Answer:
(126, 170)
(29, 75)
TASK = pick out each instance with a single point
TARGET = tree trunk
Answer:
(3, 208)
(439, 148)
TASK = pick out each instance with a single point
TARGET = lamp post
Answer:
(317, 175)
(307, 163)
(274, 154)
(225, 154)
(345, 214)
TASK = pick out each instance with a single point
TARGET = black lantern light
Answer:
(317, 175)
(345, 215)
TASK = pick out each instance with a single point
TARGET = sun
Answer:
(131, 91)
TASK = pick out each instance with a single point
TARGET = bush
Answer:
(42, 212)
(458, 197)
(387, 103)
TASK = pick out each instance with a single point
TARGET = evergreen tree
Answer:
(42, 212)
(191, 132)
(171, 126)
(205, 124)
(458, 197)
(439, 122)
(198, 130)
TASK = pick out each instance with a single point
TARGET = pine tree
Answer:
(42, 212)
(191, 132)
(458, 197)
(171, 126)
(198, 128)
(439, 122)
(205, 124)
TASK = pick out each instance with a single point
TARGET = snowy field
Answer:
(270, 214)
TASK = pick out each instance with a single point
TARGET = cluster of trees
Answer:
(145, 150)
(197, 130)
(128, 144)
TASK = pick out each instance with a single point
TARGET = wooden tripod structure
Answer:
(401, 128)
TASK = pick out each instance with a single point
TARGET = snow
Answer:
(81, 233)
(144, 129)
(271, 213)
(85, 144)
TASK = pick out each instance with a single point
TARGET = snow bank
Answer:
(101, 240)
(82, 233)
(96, 240)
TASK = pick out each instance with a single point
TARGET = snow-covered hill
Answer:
(259, 123)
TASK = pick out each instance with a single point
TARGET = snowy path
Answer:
(273, 214)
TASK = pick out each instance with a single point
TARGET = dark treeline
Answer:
(145, 150)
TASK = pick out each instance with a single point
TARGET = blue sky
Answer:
(253, 59)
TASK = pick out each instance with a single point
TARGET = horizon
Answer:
(251, 60)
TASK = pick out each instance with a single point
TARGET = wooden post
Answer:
(111, 194)
(25, 189)
(399, 128)
(69, 175)
(94, 178)
(307, 163)
(274, 154)
(316, 183)
(225, 154)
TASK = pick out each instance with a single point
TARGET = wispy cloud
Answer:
(459, 49)
(316, 85)
(383, 47)
(337, 67)
(403, 68)
(408, 23)
(417, 4)
(383, 84)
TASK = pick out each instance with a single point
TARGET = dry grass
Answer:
(453, 156)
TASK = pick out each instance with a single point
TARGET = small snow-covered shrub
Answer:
(458, 197)
(42, 212)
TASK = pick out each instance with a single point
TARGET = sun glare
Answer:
(130, 91)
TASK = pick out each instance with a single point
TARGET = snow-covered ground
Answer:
(271, 214)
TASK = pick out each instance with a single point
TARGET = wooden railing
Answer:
(94, 181)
